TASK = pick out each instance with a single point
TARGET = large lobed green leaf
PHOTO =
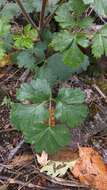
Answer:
(30, 120)
(37, 91)
(99, 45)
(27, 116)
(26, 59)
(47, 138)
(10, 10)
(63, 16)
(70, 107)
(4, 26)
(74, 57)
(62, 40)
(71, 96)
(55, 70)
(67, 43)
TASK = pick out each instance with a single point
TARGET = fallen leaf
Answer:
(5, 61)
(90, 169)
(65, 154)
(57, 168)
(42, 160)
(59, 163)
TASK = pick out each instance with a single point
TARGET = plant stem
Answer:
(42, 14)
(26, 15)
(48, 19)
(50, 106)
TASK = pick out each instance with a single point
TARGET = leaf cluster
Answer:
(33, 115)
(74, 32)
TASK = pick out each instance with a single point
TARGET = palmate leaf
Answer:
(37, 91)
(72, 115)
(10, 10)
(70, 108)
(62, 40)
(26, 59)
(7, 41)
(55, 70)
(4, 26)
(48, 74)
(63, 16)
(74, 56)
(86, 22)
(47, 138)
(25, 39)
(82, 40)
(27, 116)
(77, 6)
(30, 120)
(71, 96)
(99, 45)
(23, 42)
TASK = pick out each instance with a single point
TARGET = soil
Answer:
(92, 133)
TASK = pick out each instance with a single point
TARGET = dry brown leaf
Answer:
(90, 169)
(5, 61)
(65, 154)
(20, 160)
(42, 160)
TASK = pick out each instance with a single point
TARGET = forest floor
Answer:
(19, 169)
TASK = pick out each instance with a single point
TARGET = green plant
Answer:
(75, 22)
(26, 39)
(45, 120)
(52, 41)
(74, 33)
(4, 30)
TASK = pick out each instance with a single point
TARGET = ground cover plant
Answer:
(54, 40)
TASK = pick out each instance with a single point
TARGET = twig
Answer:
(7, 130)
(12, 153)
(60, 181)
(102, 19)
(9, 77)
(13, 181)
(48, 19)
(31, 185)
(24, 75)
(26, 15)
(100, 92)
(42, 14)
(15, 150)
